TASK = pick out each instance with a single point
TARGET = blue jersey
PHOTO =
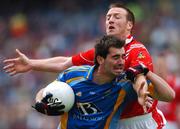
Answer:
(95, 104)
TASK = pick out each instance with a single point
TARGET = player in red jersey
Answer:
(119, 22)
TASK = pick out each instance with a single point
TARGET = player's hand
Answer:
(132, 72)
(50, 109)
(20, 64)
(143, 97)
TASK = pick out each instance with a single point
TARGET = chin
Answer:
(117, 73)
(114, 34)
(111, 33)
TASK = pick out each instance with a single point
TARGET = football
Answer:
(61, 92)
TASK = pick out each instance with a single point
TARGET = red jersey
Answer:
(135, 53)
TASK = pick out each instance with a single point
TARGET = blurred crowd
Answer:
(50, 28)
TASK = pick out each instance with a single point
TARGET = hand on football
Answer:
(50, 109)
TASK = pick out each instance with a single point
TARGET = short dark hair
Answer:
(130, 14)
(102, 46)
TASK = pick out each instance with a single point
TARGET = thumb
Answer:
(18, 52)
(142, 85)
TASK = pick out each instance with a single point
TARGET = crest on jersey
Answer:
(141, 56)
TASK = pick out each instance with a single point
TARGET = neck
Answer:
(100, 77)
(124, 37)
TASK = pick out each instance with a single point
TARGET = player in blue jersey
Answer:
(101, 89)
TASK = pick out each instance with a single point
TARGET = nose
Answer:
(121, 61)
(111, 20)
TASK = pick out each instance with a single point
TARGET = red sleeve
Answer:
(84, 58)
(139, 55)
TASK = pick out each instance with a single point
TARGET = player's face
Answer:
(117, 23)
(114, 62)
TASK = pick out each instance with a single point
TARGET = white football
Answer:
(61, 92)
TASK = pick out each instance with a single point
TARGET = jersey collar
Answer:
(128, 39)
(90, 73)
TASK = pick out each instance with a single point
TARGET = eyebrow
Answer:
(116, 55)
(112, 14)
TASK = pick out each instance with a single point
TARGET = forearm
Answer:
(162, 90)
(56, 64)
(58, 59)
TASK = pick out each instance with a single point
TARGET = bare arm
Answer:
(23, 64)
(55, 64)
(162, 90)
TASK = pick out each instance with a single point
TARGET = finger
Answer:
(148, 104)
(8, 61)
(143, 84)
(11, 65)
(149, 101)
(55, 104)
(141, 88)
(145, 109)
(9, 70)
(56, 113)
(146, 93)
(49, 95)
(13, 73)
(149, 98)
(45, 99)
(59, 107)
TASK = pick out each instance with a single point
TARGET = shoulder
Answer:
(137, 49)
(84, 68)
(135, 45)
(75, 72)
(82, 58)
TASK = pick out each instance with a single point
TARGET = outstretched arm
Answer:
(55, 64)
(23, 64)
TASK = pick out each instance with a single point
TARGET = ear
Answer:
(129, 25)
(100, 60)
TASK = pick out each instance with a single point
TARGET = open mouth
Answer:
(119, 68)
(111, 27)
